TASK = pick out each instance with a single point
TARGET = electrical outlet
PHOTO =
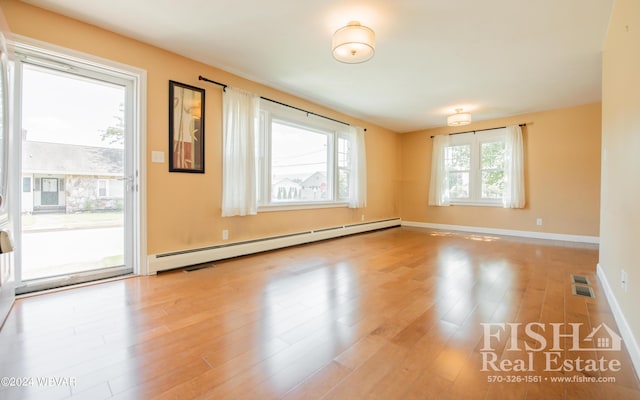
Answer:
(225, 234)
(539, 221)
(623, 280)
(362, 217)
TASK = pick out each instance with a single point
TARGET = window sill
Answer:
(300, 206)
(476, 204)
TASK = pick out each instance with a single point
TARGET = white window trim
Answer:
(301, 206)
(270, 111)
(475, 139)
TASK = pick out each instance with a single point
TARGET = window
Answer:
(344, 168)
(458, 162)
(102, 188)
(478, 168)
(300, 170)
(275, 157)
(492, 169)
(26, 184)
(475, 166)
(304, 161)
(113, 188)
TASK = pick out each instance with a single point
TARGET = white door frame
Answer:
(7, 272)
(53, 56)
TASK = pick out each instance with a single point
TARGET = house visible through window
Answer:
(299, 163)
(303, 160)
(475, 165)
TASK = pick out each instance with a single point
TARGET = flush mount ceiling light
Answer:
(354, 43)
(459, 118)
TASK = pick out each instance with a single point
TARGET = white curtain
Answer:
(513, 169)
(439, 184)
(358, 167)
(240, 124)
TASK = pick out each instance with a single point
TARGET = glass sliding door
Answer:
(76, 213)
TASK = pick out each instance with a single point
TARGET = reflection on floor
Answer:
(402, 313)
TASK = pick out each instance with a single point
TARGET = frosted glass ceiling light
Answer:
(459, 118)
(354, 43)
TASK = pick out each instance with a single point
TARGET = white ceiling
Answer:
(494, 58)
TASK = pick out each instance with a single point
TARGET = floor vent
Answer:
(584, 291)
(199, 267)
(581, 280)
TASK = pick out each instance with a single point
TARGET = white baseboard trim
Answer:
(184, 258)
(625, 331)
(507, 232)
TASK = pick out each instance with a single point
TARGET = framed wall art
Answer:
(186, 128)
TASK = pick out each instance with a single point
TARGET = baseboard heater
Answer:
(184, 258)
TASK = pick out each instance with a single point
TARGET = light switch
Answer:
(157, 156)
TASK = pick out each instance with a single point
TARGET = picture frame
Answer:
(186, 128)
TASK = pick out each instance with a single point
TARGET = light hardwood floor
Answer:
(393, 314)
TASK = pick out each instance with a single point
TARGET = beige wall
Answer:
(562, 175)
(620, 212)
(562, 155)
(183, 210)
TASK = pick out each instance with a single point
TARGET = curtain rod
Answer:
(478, 130)
(202, 78)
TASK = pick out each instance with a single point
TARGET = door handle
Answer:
(129, 185)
